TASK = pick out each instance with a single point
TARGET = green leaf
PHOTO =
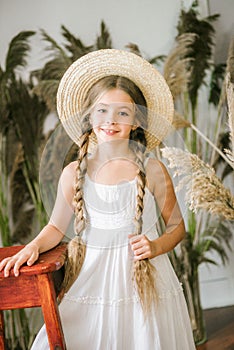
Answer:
(75, 46)
(55, 68)
(216, 238)
(47, 90)
(18, 50)
(223, 143)
(53, 45)
(22, 206)
(157, 59)
(28, 114)
(104, 39)
(208, 261)
(216, 83)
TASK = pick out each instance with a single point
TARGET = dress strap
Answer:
(148, 155)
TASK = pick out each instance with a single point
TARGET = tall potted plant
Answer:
(21, 210)
(205, 233)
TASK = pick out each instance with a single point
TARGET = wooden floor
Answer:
(220, 329)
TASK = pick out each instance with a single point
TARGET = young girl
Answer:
(120, 291)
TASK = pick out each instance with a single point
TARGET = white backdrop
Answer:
(151, 24)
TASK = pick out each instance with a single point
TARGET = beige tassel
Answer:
(144, 274)
(75, 258)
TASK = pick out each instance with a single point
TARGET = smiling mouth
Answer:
(109, 131)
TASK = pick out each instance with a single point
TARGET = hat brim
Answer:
(87, 70)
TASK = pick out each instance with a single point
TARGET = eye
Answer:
(123, 114)
(102, 110)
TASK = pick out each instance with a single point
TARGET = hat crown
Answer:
(87, 70)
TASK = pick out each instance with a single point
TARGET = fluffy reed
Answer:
(204, 190)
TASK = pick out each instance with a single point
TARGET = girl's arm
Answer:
(53, 232)
(160, 184)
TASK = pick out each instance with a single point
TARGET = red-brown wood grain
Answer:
(49, 261)
(32, 288)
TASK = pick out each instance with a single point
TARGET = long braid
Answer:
(76, 247)
(78, 200)
(143, 271)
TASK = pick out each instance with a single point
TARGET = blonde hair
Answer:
(76, 247)
(143, 270)
(144, 273)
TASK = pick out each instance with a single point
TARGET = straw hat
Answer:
(88, 69)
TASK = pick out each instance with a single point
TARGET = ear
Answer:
(90, 118)
(134, 127)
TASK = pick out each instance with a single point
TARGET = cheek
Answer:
(97, 122)
(95, 129)
(93, 123)
(126, 129)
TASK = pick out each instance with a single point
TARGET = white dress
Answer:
(102, 311)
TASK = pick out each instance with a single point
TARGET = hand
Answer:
(29, 254)
(142, 247)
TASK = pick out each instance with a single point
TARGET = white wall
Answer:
(149, 23)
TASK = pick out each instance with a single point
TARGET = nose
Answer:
(111, 118)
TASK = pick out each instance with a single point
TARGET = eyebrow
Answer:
(121, 106)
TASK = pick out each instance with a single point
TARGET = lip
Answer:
(109, 131)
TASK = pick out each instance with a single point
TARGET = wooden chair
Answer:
(32, 288)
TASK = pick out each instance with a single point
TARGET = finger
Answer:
(136, 247)
(140, 244)
(16, 268)
(141, 256)
(4, 262)
(8, 267)
(143, 243)
(135, 238)
(32, 258)
(18, 263)
(140, 251)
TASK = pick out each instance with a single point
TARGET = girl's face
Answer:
(112, 117)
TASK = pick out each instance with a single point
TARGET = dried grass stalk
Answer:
(229, 82)
(230, 61)
(204, 190)
(177, 68)
(179, 122)
(230, 102)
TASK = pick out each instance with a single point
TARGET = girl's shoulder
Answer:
(155, 166)
(70, 169)
(67, 177)
(156, 174)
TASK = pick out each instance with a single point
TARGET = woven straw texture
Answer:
(88, 69)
